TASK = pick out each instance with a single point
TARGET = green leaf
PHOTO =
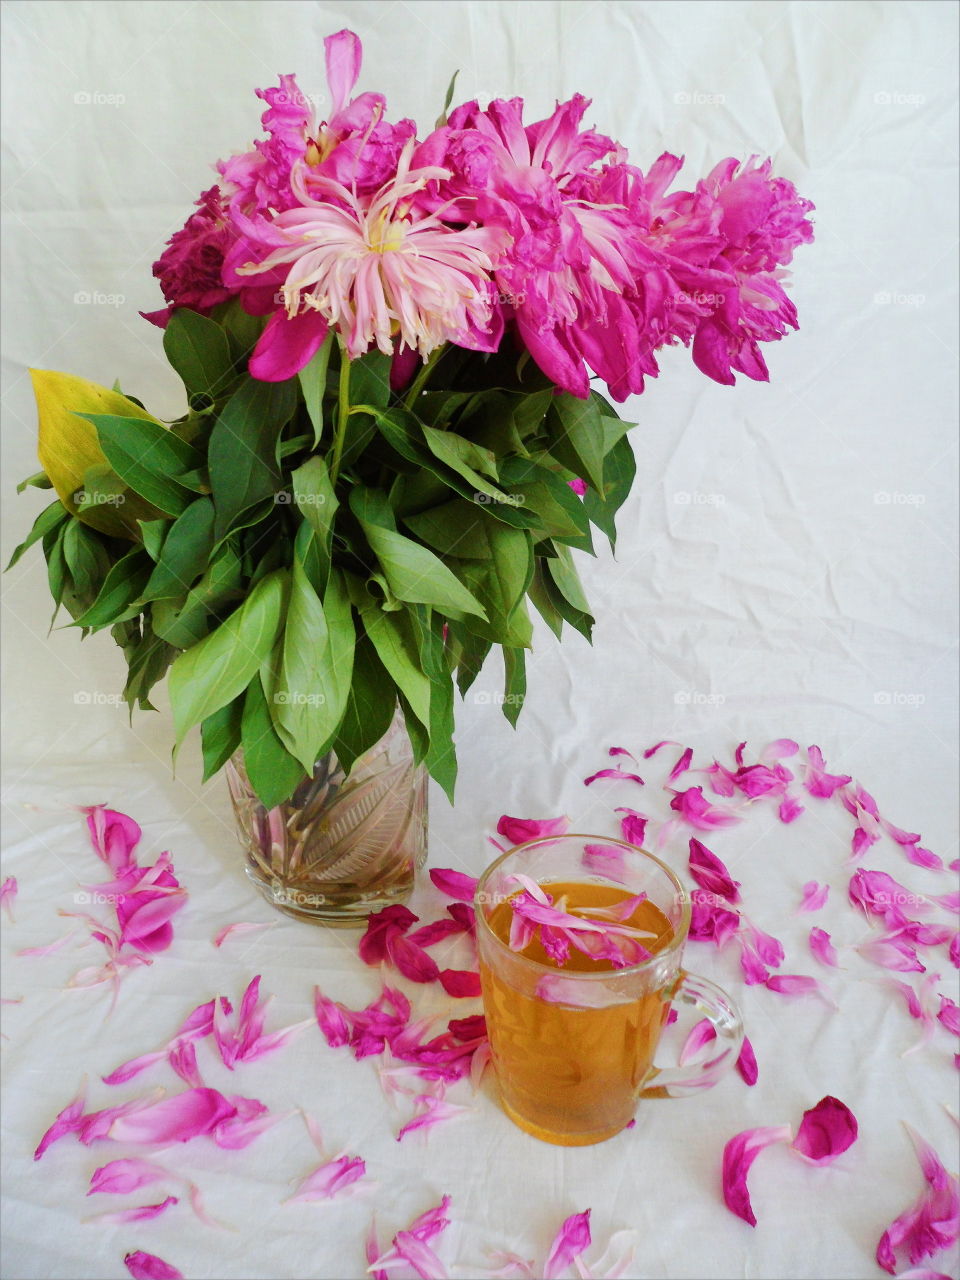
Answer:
(567, 593)
(540, 592)
(576, 436)
(515, 682)
(242, 457)
(147, 664)
(153, 533)
(393, 637)
(185, 554)
(317, 503)
(500, 583)
(370, 379)
(212, 673)
(39, 480)
(199, 351)
(242, 329)
(442, 117)
(560, 510)
(417, 733)
(273, 773)
(49, 519)
(117, 598)
(149, 458)
(313, 382)
(369, 707)
(220, 734)
(183, 623)
(87, 560)
(313, 682)
(441, 756)
(619, 470)
(465, 457)
(414, 573)
(456, 528)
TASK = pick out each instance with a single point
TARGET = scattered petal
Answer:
(710, 873)
(460, 982)
(8, 895)
(826, 1131)
(651, 751)
(790, 808)
(147, 1266)
(454, 884)
(520, 830)
(823, 949)
(696, 810)
(682, 765)
(817, 781)
(738, 1155)
(613, 773)
(700, 1034)
(568, 1244)
(746, 1063)
(68, 1121)
(814, 897)
(141, 1213)
(329, 1180)
(178, 1119)
(241, 927)
(122, 1177)
(932, 1223)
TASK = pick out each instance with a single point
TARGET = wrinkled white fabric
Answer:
(786, 567)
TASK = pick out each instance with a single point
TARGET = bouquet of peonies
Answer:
(392, 442)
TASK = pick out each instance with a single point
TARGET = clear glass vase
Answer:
(344, 844)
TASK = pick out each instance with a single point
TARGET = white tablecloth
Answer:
(786, 568)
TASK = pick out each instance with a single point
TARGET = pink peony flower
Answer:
(190, 268)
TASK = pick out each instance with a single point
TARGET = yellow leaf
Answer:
(68, 447)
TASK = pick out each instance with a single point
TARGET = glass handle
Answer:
(715, 1005)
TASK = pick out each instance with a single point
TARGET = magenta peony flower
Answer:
(189, 269)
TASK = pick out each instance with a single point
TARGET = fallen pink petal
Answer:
(141, 1213)
(147, 1266)
(816, 780)
(823, 949)
(746, 1063)
(650, 751)
(454, 884)
(682, 765)
(696, 810)
(122, 1177)
(187, 1115)
(932, 1223)
(460, 983)
(8, 896)
(240, 928)
(67, 1121)
(790, 809)
(613, 773)
(568, 1244)
(826, 1131)
(334, 1178)
(710, 873)
(738, 1155)
(814, 897)
(520, 830)
(700, 1034)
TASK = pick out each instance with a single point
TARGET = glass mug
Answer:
(573, 1046)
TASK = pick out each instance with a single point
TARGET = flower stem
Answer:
(343, 415)
(420, 380)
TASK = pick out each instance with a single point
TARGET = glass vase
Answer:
(344, 844)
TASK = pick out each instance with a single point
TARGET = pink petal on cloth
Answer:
(183, 1059)
(949, 901)
(823, 949)
(331, 1020)
(114, 836)
(429, 1110)
(767, 947)
(436, 931)
(955, 950)
(568, 1244)
(613, 773)
(621, 751)
(141, 1213)
(412, 961)
(949, 1014)
(696, 810)
(921, 1273)
(826, 1131)
(779, 749)
(710, 922)
(144, 928)
(605, 860)
(814, 897)
(8, 895)
(790, 808)
(817, 781)
(48, 949)
(178, 1119)
(892, 951)
(67, 1121)
(652, 751)
(738, 1155)
(520, 830)
(796, 984)
(746, 1063)
(724, 782)
(371, 1247)
(710, 873)
(460, 982)
(454, 884)
(249, 1120)
(241, 927)
(921, 857)
(147, 1266)
(682, 765)
(121, 1177)
(633, 826)
(755, 972)
(329, 1180)
(932, 1223)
